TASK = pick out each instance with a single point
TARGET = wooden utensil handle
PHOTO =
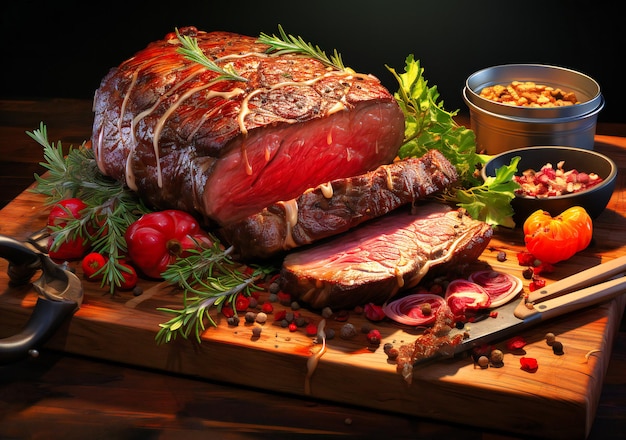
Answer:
(587, 277)
(572, 301)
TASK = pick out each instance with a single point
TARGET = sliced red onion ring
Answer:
(409, 310)
(501, 287)
(463, 295)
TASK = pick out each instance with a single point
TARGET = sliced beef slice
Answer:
(375, 261)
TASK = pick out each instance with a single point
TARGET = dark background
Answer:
(64, 48)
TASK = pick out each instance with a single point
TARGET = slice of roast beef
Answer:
(186, 138)
(339, 205)
(376, 260)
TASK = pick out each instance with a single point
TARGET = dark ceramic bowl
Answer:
(594, 199)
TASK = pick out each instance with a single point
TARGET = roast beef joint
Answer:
(185, 138)
(291, 157)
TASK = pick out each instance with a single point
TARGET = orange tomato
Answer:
(554, 239)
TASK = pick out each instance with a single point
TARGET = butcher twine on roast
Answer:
(378, 259)
(339, 205)
(184, 138)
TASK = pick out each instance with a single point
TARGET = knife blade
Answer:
(519, 315)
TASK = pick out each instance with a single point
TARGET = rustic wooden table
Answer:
(70, 396)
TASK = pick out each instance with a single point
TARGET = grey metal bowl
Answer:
(594, 199)
(586, 88)
(500, 127)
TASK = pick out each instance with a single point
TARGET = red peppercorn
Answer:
(284, 298)
(516, 343)
(228, 312)
(374, 337)
(241, 303)
(267, 307)
(280, 315)
(529, 364)
(293, 327)
(311, 329)
(536, 283)
(525, 258)
(543, 268)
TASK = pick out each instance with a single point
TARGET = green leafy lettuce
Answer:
(429, 126)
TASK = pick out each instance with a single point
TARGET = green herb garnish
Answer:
(209, 278)
(192, 51)
(429, 126)
(111, 207)
(289, 44)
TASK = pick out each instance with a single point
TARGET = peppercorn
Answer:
(393, 354)
(501, 256)
(330, 333)
(483, 362)
(250, 317)
(528, 273)
(256, 331)
(274, 288)
(327, 312)
(388, 346)
(348, 331)
(497, 358)
(233, 320)
(550, 338)
(261, 317)
(557, 348)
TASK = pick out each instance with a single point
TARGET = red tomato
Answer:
(158, 239)
(554, 239)
(91, 264)
(59, 214)
(130, 276)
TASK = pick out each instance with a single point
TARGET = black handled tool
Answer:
(60, 296)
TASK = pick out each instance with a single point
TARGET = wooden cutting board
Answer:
(559, 400)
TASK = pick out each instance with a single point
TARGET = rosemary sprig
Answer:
(209, 278)
(289, 44)
(192, 51)
(111, 206)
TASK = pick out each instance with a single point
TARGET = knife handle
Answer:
(588, 277)
(572, 301)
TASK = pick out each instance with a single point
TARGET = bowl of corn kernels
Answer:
(518, 105)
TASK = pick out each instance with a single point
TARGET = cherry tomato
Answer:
(554, 239)
(130, 276)
(92, 264)
(72, 249)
